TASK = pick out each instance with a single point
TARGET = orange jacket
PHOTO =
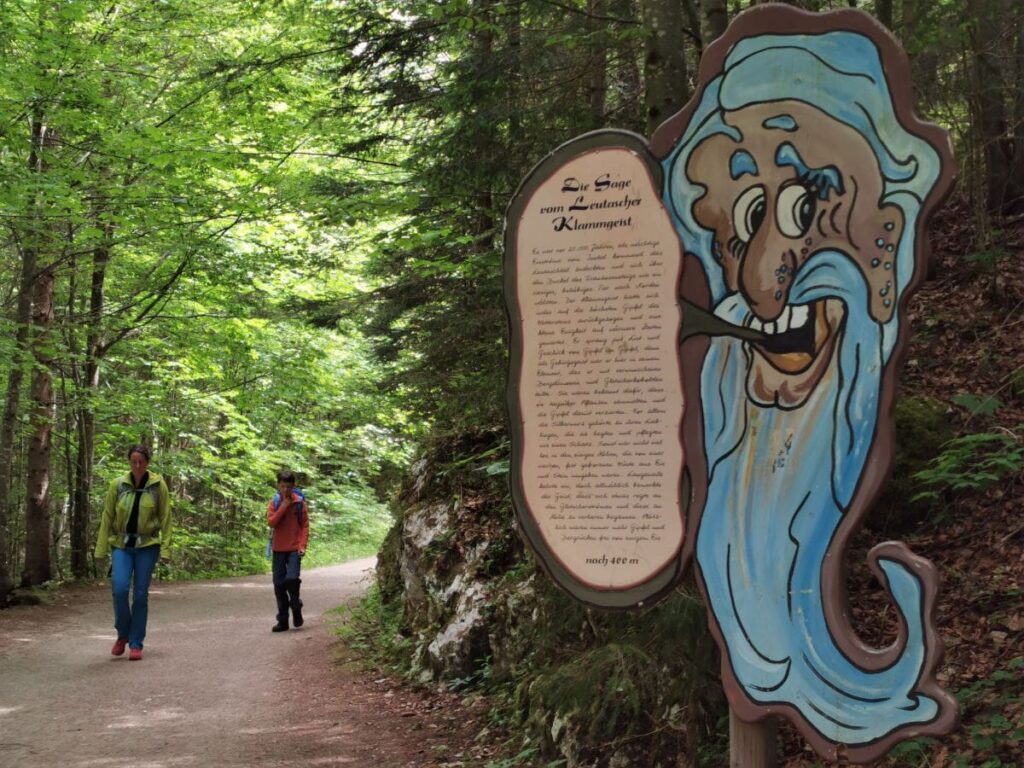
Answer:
(290, 522)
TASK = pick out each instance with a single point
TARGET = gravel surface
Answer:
(215, 686)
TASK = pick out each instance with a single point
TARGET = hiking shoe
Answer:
(119, 645)
(297, 615)
(281, 626)
(135, 654)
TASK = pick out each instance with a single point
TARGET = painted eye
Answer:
(748, 212)
(794, 210)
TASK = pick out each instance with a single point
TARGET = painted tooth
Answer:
(782, 324)
(769, 328)
(755, 324)
(801, 314)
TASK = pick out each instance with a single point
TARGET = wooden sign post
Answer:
(706, 332)
(751, 745)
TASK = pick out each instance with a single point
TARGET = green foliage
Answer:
(189, 143)
(606, 687)
(921, 424)
(476, 94)
(988, 259)
(199, 554)
(373, 627)
(912, 752)
(972, 462)
(345, 523)
(979, 405)
(522, 758)
(987, 262)
(995, 708)
(616, 679)
(1015, 382)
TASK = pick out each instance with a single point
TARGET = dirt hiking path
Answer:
(215, 686)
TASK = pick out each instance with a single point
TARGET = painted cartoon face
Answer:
(796, 182)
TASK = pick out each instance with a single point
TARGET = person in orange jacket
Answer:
(288, 516)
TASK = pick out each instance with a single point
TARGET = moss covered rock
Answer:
(922, 428)
(389, 576)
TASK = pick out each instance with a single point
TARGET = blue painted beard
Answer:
(780, 482)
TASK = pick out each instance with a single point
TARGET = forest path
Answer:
(215, 686)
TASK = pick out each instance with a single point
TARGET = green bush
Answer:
(605, 687)
(345, 523)
(373, 628)
(645, 681)
(198, 554)
(972, 462)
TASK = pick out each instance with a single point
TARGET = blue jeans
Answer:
(130, 621)
(285, 567)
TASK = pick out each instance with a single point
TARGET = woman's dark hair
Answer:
(138, 449)
(286, 476)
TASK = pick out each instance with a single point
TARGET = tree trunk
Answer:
(915, 25)
(29, 260)
(80, 512)
(10, 415)
(1005, 185)
(514, 80)
(37, 489)
(883, 12)
(597, 69)
(41, 417)
(86, 413)
(483, 47)
(1017, 89)
(665, 82)
(714, 18)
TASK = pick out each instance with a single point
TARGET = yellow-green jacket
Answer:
(154, 515)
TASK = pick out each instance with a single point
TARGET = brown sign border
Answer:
(662, 582)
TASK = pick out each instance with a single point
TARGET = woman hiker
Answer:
(136, 523)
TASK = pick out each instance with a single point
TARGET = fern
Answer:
(972, 462)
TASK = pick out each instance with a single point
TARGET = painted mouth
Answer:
(796, 338)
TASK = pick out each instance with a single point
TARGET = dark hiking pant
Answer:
(285, 569)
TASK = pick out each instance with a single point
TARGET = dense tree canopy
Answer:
(163, 169)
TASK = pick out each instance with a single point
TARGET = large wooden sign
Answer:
(777, 226)
(597, 401)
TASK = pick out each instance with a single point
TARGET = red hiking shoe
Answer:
(135, 654)
(119, 645)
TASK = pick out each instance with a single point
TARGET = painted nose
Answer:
(767, 274)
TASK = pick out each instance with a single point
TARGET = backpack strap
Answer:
(124, 488)
(300, 507)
